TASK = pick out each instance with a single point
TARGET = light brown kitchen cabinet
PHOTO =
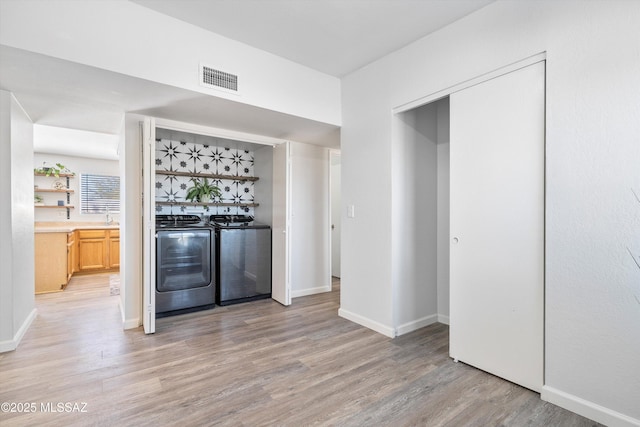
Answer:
(114, 249)
(71, 255)
(97, 250)
(51, 262)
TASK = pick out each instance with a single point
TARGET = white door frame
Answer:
(148, 131)
(467, 84)
(332, 152)
(148, 128)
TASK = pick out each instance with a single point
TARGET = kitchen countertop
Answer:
(68, 227)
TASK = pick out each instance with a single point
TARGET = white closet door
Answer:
(149, 226)
(497, 226)
(280, 229)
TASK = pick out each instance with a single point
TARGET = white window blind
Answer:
(99, 194)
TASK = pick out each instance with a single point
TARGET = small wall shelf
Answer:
(66, 191)
(42, 190)
(62, 175)
(237, 205)
(208, 175)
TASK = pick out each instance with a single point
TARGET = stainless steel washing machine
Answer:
(185, 265)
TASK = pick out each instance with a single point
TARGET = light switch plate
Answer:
(351, 211)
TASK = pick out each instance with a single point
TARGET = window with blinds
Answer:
(99, 194)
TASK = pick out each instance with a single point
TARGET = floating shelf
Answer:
(42, 190)
(238, 205)
(62, 175)
(207, 175)
(66, 191)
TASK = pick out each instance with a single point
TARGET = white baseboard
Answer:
(12, 344)
(587, 409)
(414, 325)
(367, 323)
(310, 291)
(128, 323)
(442, 318)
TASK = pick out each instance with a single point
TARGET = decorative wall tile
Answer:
(188, 156)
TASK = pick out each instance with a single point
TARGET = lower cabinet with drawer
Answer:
(98, 250)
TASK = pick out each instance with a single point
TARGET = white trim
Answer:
(22, 108)
(10, 345)
(216, 132)
(414, 325)
(367, 323)
(587, 409)
(131, 323)
(149, 226)
(310, 291)
(471, 82)
(443, 318)
(128, 323)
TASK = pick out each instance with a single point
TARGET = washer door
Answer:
(183, 260)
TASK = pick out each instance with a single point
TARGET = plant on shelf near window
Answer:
(202, 191)
(53, 170)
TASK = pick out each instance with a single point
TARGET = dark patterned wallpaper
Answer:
(182, 156)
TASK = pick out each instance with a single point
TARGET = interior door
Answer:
(148, 227)
(497, 226)
(280, 276)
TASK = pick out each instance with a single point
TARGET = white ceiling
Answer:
(332, 36)
(335, 37)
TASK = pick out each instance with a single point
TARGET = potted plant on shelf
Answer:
(38, 200)
(53, 170)
(202, 191)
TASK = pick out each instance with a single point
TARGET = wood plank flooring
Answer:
(255, 364)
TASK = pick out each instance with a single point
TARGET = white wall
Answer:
(263, 168)
(127, 38)
(74, 142)
(17, 302)
(592, 282)
(310, 262)
(78, 165)
(365, 286)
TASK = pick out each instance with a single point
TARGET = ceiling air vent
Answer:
(210, 77)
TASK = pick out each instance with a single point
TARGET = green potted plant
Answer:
(202, 191)
(38, 200)
(53, 170)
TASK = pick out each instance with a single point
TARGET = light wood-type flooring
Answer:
(254, 364)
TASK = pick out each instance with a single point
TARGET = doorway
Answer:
(420, 254)
(485, 193)
(336, 209)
